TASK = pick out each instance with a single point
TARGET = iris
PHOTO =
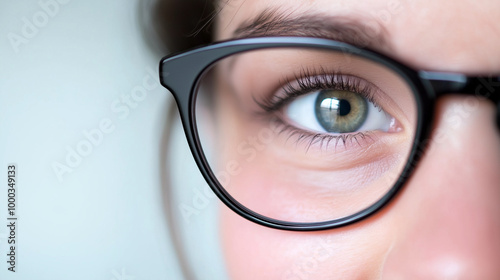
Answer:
(340, 111)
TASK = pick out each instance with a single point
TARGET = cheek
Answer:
(256, 252)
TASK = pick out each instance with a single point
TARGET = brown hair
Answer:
(183, 24)
(174, 26)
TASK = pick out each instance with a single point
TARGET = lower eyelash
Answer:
(321, 139)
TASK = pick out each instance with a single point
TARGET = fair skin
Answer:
(445, 223)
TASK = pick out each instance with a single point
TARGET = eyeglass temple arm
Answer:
(482, 87)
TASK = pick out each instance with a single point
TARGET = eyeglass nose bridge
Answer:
(481, 87)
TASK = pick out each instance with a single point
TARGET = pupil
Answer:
(344, 107)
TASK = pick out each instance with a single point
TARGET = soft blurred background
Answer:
(83, 117)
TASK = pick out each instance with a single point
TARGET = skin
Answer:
(445, 223)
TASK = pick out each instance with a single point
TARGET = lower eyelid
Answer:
(323, 141)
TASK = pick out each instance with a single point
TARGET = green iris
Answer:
(340, 111)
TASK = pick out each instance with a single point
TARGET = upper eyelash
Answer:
(309, 80)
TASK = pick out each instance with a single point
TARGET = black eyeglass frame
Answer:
(180, 73)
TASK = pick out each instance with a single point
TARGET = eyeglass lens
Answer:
(304, 135)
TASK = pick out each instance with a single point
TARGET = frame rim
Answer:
(422, 90)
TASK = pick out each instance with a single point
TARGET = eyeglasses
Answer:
(306, 133)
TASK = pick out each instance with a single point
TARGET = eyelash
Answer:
(307, 82)
(324, 140)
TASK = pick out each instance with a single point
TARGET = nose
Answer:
(448, 215)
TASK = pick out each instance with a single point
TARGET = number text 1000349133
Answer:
(11, 218)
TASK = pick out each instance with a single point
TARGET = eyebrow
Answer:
(349, 30)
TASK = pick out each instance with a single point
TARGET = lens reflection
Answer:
(304, 135)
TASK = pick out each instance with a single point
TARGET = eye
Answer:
(337, 112)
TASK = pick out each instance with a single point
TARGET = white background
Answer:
(105, 218)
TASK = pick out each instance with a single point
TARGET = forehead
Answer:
(445, 35)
